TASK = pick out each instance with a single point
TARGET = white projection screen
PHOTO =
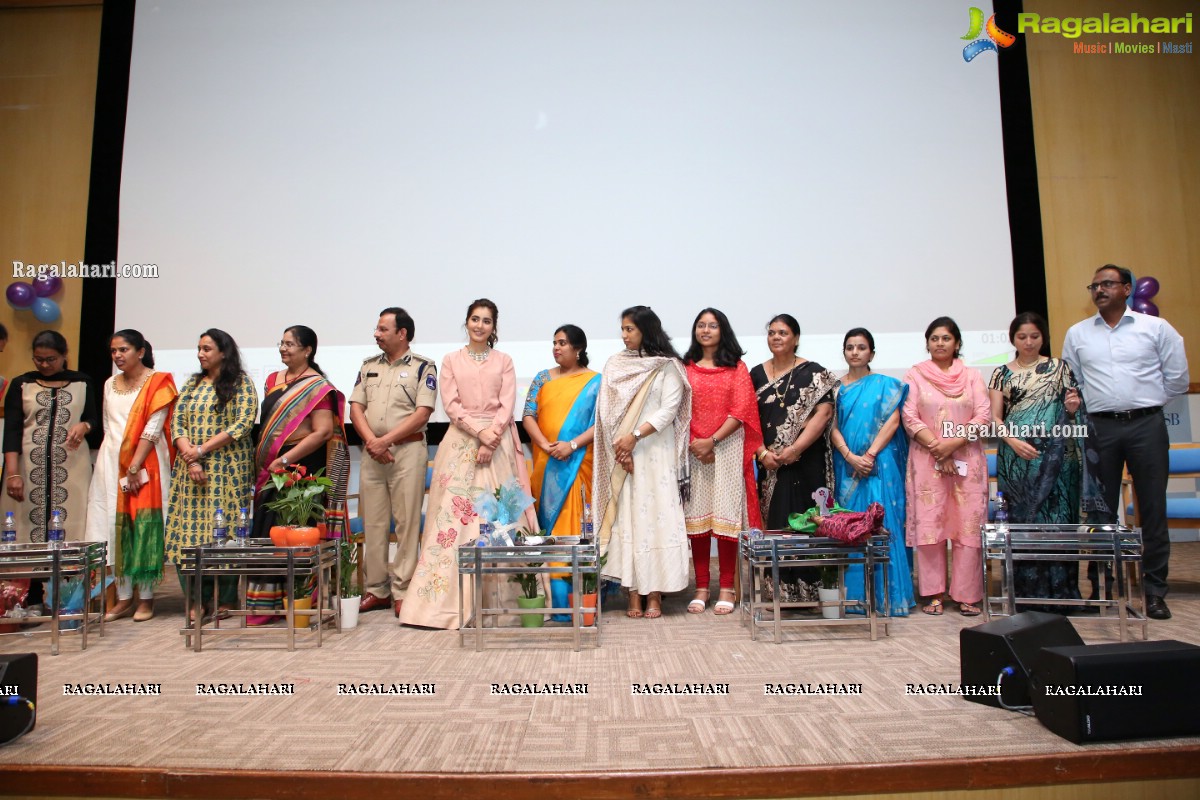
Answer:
(312, 162)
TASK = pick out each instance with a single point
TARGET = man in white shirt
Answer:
(1128, 366)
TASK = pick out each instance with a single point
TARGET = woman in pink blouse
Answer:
(479, 453)
(947, 475)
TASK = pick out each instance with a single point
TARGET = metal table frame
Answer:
(544, 559)
(760, 556)
(260, 558)
(1111, 545)
(40, 561)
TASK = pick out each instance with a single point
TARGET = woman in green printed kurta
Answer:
(211, 428)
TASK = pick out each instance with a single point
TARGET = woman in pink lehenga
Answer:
(480, 453)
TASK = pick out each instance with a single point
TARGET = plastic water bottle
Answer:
(1001, 518)
(585, 534)
(9, 537)
(220, 528)
(56, 536)
(242, 531)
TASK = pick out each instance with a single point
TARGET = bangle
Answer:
(14, 477)
(200, 450)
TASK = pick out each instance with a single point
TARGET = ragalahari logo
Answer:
(996, 38)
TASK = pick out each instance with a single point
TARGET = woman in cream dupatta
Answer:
(642, 419)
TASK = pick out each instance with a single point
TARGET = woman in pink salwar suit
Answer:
(943, 503)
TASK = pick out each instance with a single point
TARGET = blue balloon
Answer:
(45, 309)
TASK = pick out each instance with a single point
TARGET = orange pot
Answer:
(279, 535)
(589, 601)
(294, 536)
(303, 537)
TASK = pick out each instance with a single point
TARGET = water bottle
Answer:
(242, 531)
(220, 528)
(9, 538)
(585, 532)
(1001, 518)
(55, 535)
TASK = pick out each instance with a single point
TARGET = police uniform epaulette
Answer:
(376, 357)
(425, 363)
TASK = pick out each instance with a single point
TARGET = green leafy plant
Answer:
(348, 558)
(591, 580)
(829, 577)
(529, 582)
(298, 496)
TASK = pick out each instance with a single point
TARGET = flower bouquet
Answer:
(500, 515)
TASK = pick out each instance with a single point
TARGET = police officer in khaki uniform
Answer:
(390, 406)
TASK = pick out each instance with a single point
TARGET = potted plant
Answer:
(298, 505)
(348, 590)
(829, 593)
(530, 598)
(302, 591)
(589, 584)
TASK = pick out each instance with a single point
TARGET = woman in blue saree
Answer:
(869, 463)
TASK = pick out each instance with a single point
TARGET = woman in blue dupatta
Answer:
(559, 416)
(869, 463)
(301, 423)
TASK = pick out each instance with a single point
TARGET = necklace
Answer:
(788, 388)
(130, 389)
(1030, 365)
(290, 381)
(479, 358)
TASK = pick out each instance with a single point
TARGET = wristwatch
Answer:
(574, 446)
(637, 433)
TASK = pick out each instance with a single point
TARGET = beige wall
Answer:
(1118, 157)
(48, 61)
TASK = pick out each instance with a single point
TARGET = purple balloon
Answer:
(1145, 288)
(20, 295)
(1144, 306)
(46, 285)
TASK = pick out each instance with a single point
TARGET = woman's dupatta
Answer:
(140, 522)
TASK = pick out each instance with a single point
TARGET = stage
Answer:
(851, 726)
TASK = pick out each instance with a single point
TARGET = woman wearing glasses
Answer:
(300, 423)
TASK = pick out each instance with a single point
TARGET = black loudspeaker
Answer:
(986, 651)
(1128, 690)
(18, 677)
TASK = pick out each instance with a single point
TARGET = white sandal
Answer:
(723, 608)
(698, 603)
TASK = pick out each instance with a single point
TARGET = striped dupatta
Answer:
(140, 521)
(285, 407)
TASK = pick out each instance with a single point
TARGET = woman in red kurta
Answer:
(725, 435)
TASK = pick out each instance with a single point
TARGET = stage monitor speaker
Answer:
(985, 651)
(1127, 690)
(18, 677)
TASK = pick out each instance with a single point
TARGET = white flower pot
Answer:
(349, 612)
(830, 596)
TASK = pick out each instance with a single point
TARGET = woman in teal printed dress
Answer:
(1040, 475)
(869, 461)
(211, 427)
